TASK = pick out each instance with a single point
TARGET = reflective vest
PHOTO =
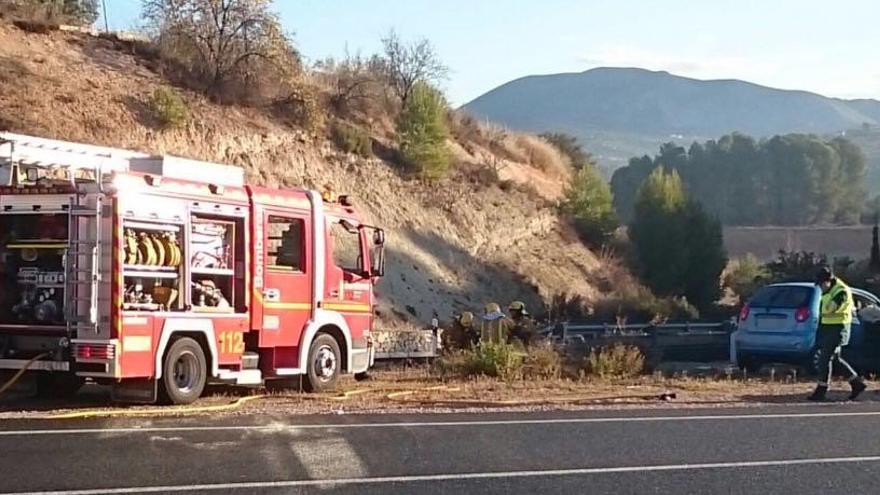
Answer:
(837, 305)
(494, 331)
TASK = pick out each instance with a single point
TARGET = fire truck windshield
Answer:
(346, 244)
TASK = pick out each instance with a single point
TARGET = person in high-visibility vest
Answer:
(494, 327)
(835, 319)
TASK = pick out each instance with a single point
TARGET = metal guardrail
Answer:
(672, 341)
(568, 329)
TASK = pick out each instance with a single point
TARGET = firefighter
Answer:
(835, 318)
(463, 334)
(494, 327)
(522, 327)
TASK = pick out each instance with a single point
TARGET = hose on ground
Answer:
(6, 386)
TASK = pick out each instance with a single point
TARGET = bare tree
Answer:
(354, 81)
(406, 64)
(223, 41)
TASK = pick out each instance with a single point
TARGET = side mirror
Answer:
(377, 261)
(379, 237)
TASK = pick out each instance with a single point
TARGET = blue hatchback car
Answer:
(778, 324)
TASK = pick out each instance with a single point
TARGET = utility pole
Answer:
(106, 22)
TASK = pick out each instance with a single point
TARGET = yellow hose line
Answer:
(6, 386)
(397, 396)
(158, 411)
(404, 393)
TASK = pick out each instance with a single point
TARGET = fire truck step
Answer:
(250, 360)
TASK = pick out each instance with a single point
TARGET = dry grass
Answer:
(415, 389)
(542, 155)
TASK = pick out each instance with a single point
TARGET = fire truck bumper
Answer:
(17, 364)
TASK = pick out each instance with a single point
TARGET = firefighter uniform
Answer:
(835, 320)
(494, 327)
(522, 327)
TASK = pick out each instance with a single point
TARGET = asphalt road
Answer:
(833, 448)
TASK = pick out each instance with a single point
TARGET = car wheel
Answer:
(185, 372)
(324, 365)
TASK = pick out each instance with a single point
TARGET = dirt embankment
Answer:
(454, 245)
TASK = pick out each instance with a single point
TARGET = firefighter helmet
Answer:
(466, 318)
(519, 307)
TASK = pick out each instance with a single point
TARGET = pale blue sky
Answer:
(828, 47)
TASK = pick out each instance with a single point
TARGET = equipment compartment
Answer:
(152, 261)
(212, 262)
(32, 248)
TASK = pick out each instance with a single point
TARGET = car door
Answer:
(864, 345)
(287, 287)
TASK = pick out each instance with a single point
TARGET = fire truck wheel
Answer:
(59, 385)
(184, 372)
(325, 364)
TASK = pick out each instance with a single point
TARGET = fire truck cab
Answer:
(157, 274)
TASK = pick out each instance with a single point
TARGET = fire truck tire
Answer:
(324, 365)
(184, 372)
(59, 385)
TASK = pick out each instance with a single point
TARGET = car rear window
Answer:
(783, 297)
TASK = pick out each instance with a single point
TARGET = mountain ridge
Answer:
(620, 112)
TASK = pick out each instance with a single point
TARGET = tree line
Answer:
(793, 179)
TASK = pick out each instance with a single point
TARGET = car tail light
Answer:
(95, 351)
(744, 313)
(802, 315)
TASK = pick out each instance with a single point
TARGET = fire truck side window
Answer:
(285, 247)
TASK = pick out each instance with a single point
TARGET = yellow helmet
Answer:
(492, 308)
(466, 318)
(517, 306)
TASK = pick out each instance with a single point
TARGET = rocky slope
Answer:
(452, 245)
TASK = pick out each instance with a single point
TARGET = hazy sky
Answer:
(828, 47)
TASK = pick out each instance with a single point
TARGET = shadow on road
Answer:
(835, 395)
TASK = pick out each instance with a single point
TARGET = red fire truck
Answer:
(157, 274)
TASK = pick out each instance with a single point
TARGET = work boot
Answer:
(858, 386)
(819, 393)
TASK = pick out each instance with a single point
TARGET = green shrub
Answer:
(351, 139)
(636, 303)
(504, 361)
(169, 108)
(422, 130)
(615, 361)
(679, 247)
(543, 361)
(745, 275)
(588, 203)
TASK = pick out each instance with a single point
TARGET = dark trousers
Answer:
(829, 339)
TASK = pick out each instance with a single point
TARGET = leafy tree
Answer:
(588, 203)
(82, 12)
(406, 65)
(706, 256)
(228, 47)
(745, 276)
(678, 245)
(795, 179)
(657, 232)
(423, 131)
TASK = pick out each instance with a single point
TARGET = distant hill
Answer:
(621, 112)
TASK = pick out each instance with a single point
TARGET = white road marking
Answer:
(452, 477)
(439, 424)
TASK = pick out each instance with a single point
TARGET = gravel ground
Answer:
(415, 391)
